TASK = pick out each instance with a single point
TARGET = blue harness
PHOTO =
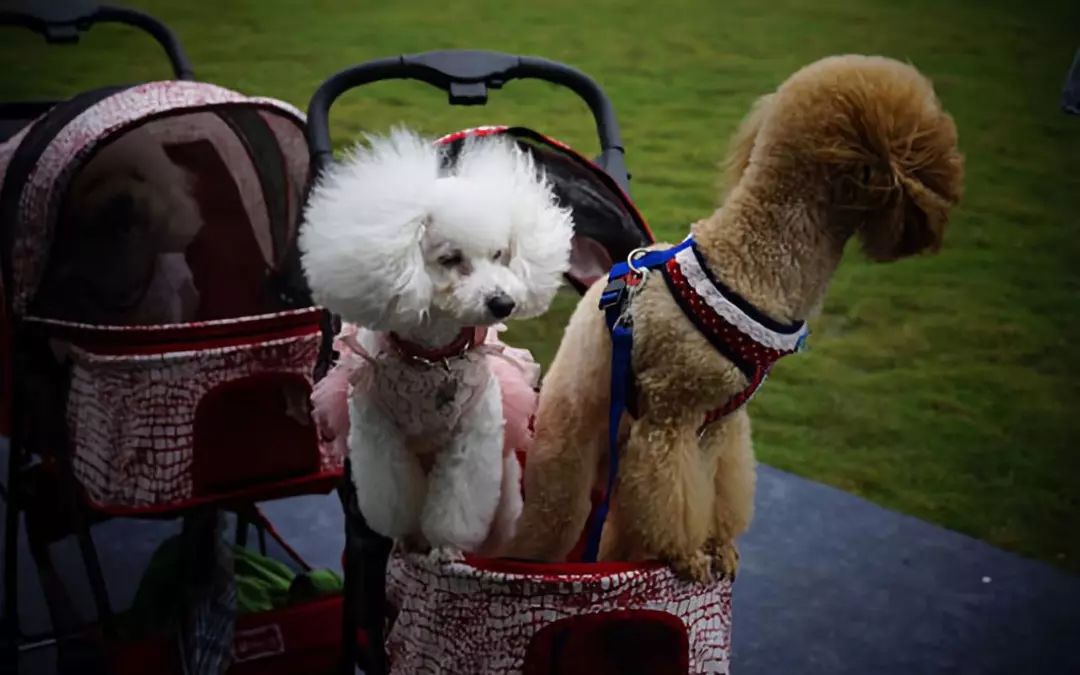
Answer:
(613, 302)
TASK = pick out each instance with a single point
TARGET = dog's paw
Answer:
(454, 527)
(724, 559)
(696, 567)
(445, 554)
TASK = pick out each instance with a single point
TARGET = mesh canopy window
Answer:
(180, 219)
(159, 203)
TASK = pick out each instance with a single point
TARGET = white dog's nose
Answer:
(500, 305)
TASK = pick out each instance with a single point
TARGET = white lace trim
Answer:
(698, 279)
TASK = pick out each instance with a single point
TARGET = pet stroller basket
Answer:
(158, 342)
(503, 616)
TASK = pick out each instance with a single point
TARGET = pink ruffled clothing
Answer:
(426, 400)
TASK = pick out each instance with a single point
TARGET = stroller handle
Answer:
(61, 22)
(466, 76)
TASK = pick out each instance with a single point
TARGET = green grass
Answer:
(942, 387)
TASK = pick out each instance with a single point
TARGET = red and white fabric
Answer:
(139, 394)
(497, 617)
(765, 344)
(734, 327)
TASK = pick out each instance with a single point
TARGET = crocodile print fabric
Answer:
(457, 617)
(131, 416)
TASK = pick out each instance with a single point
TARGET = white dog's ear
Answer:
(360, 242)
(542, 230)
(541, 256)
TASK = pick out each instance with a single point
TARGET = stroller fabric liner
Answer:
(39, 202)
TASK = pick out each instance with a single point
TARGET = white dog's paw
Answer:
(392, 514)
(454, 526)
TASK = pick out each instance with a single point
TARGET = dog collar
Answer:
(467, 339)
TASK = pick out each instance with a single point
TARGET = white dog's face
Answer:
(467, 246)
(392, 241)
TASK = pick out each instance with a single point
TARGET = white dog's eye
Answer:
(451, 259)
(498, 255)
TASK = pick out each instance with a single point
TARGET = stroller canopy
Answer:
(221, 174)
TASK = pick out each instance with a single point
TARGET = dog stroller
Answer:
(506, 616)
(153, 372)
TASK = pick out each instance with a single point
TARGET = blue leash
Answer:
(613, 303)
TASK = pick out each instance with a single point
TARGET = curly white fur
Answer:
(389, 212)
(396, 241)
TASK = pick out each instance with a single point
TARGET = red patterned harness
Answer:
(738, 330)
(734, 327)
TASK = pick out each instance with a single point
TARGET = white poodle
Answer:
(420, 257)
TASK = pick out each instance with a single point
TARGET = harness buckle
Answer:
(613, 293)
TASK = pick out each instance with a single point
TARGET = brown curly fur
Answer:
(849, 145)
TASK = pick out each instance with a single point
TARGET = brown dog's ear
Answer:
(742, 145)
(920, 180)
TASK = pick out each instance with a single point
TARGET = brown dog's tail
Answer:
(877, 129)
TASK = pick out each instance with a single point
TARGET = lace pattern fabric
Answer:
(426, 400)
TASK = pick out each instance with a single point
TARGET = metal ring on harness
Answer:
(633, 256)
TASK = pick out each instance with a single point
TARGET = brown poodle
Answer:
(849, 145)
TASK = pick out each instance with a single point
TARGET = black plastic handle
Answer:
(62, 22)
(467, 76)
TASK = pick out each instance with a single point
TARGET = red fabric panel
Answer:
(158, 656)
(625, 642)
(300, 640)
(293, 641)
(243, 435)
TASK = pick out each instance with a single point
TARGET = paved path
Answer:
(834, 584)
(829, 584)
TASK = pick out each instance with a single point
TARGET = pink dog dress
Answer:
(426, 397)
